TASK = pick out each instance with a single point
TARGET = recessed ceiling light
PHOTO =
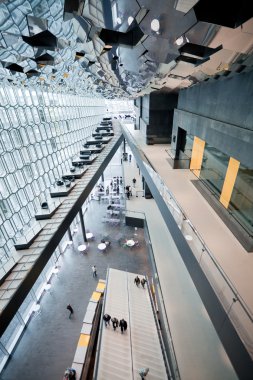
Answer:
(155, 25)
(130, 20)
(180, 41)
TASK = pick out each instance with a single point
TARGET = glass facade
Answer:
(40, 132)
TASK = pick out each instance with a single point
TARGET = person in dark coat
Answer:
(137, 281)
(71, 311)
(115, 323)
(143, 282)
(106, 318)
(123, 325)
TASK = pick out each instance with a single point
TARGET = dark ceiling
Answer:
(123, 48)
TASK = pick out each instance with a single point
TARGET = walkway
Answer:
(122, 355)
(199, 352)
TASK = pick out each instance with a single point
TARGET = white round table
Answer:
(82, 248)
(55, 270)
(102, 246)
(188, 237)
(130, 243)
(89, 235)
(48, 286)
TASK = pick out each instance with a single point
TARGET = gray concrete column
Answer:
(82, 225)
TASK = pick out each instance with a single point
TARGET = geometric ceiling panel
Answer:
(122, 49)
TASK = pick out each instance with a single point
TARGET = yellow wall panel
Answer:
(197, 155)
(83, 340)
(229, 181)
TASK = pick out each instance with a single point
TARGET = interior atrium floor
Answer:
(48, 344)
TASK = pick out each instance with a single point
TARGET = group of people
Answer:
(115, 323)
(128, 191)
(139, 281)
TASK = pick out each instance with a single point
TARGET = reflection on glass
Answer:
(241, 203)
(214, 168)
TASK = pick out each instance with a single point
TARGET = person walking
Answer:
(134, 181)
(130, 157)
(137, 281)
(123, 325)
(115, 323)
(94, 270)
(106, 318)
(71, 311)
(143, 373)
(143, 282)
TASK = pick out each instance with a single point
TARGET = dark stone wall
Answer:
(221, 113)
(229, 99)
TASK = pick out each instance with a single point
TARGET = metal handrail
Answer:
(129, 321)
(219, 268)
(215, 196)
(159, 332)
(221, 271)
(98, 349)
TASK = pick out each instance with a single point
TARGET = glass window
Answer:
(21, 196)
(39, 153)
(2, 167)
(24, 136)
(241, 203)
(17, 159)
(32, 153)
(27, 97)
(9, 163)
(34, 98)
(28, 173)
(22, 116)
(214, 168)
(9, 229)
(13, 117)
(45, 164)
(36, 116)
(29, 115)
(41, 114)
(13, 184)
(30, 134)
(14, 202)
(24, 215)
(17, 221)
(6, 140)
(20, 179)
(16, 138)
(44, 148)
(20, 97)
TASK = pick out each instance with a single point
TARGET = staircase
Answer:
(122, 355)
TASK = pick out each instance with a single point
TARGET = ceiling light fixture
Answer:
(130, 20)
(181, 40)
(155, 25)
(119, 21)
